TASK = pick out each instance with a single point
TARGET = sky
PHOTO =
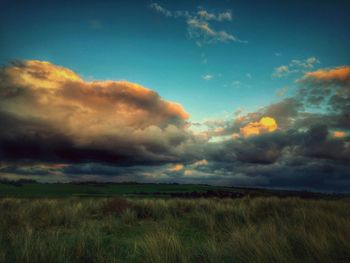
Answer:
(245, 93)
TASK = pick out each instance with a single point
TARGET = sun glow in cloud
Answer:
(176, 167)
(266, 124)
(338, 134)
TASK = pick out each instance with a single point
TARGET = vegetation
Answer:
(33, 189)
(262, 229)
(30, 188)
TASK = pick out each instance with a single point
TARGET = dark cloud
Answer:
(284, 112)
(329, 88)
(55, 125)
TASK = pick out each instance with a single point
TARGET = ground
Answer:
(147, 223)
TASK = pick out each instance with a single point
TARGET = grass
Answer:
(98, 190)
(264, 229)
(32, 189)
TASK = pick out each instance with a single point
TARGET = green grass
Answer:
(265, 229)
(58, 190)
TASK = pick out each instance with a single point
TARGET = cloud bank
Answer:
(56, 126)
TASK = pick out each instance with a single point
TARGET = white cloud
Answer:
(203, 14)
(161, 9)
(198, 26)
(307, 63)
(208, 77)
(224, 16)
(281, 71)
(201, 31)
(295, 66)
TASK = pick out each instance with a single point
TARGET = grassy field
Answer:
(92, 189)
(261, 229)
(99, 190)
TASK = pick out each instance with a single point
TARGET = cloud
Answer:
(204, 33)
(198, 24)
(338, 134)
(227, 15)
(282, 91)
(328, 88)
(200, 163)
(188, 172)
(281, 71)
(295, 66)
(176, 168)
(307, 63)
(298, 149)
(339, 75)
(224, 16)
(161, 9)
(50, 113)
(57, 126)
(283, 112)
(207, 77)
(265, 124)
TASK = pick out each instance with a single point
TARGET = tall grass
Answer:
(174, 230)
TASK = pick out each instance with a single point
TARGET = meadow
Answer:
(119, 229)
(92, 189)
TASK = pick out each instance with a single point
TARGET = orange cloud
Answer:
(39, 74)
(188, 172)
(341, 74)
(338, 134)
(266, 124)
(119, 116)
(202, 162)
(176, 168)
(44, 90)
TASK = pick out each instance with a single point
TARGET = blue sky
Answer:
(132, 41)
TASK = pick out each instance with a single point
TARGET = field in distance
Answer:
(28, 188)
